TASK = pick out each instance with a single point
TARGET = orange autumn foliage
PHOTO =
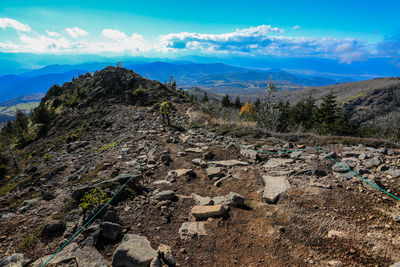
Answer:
(249, 110)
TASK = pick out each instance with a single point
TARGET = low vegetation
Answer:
(93, 198)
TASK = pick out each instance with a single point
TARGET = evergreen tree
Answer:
(257, 103)
(205, 97)
(237, 103)
(327, 114)
(226, 101)
(21, 121)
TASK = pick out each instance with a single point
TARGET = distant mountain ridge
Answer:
(187, 75)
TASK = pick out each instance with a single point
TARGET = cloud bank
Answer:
(263, 40)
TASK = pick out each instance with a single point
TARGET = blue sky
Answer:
(344, 30)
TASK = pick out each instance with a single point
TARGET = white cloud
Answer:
(252, 41)
(76, 32)
(52, 34)
(11, 23)
(114, 34)
(296, 27)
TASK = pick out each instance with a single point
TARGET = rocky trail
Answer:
(199, 199)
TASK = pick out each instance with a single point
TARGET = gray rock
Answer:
(231, 200)
(110, 230)
(344, 176)
(390, 152)
(91, 235)
(208, 155)
(372, 162)
(395, 173)
(361, 171)
(276, 162)
(397, 264)
(251, 154)
(194, 150)
(202, 201)
(165, 195)
(165, 253)
(183, 172)
(339, 168)
(199, 162)
(214, 172)
(134, 251)
(156, 262)
(228, 163)
(274, 187)
(53, 229)
(362, 156)
(111, 216)
(86, 256)
(192, 230)
(14, 260)
(296, 154)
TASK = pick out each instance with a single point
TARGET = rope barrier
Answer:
(94, 216)
(258, 151)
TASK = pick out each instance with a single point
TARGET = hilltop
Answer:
(203, 196)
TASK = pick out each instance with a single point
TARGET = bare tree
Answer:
(267, 115)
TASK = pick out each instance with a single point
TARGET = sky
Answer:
(346, 31)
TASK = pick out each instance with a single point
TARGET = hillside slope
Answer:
(201, 198)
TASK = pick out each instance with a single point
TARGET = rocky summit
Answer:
(191, 195)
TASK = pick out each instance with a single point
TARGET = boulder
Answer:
(339, 168)
(249, 153)
(192, 230)
(214, 172)
(274, 187)
(165, 195)
(110, 230)
(202, 201)
(296, 154)
(372, 162)
(86, 256)
(53, 229)
(204, 212)
(165, 253)
(395, 173)
(134, 251)
(199, 162)
(334, 234)
(14, 260)
(208, 155)
(183, 172)
(231, 200)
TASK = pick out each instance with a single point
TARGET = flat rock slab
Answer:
(214, 172)
(275, 162)
(204, 212)
(274, 187)
(135, 251)
(195, 150)
(192, 230)
(165, 195)
(228, 163)
(182, 172)
(86, 256)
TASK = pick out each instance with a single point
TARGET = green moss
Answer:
(32, 238)
(93, 175)
(46, 157)
(8, 187)
(107, 147)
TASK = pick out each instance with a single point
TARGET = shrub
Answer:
(140, 91)
(248, 111)
(42, 114)
(93, 198)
